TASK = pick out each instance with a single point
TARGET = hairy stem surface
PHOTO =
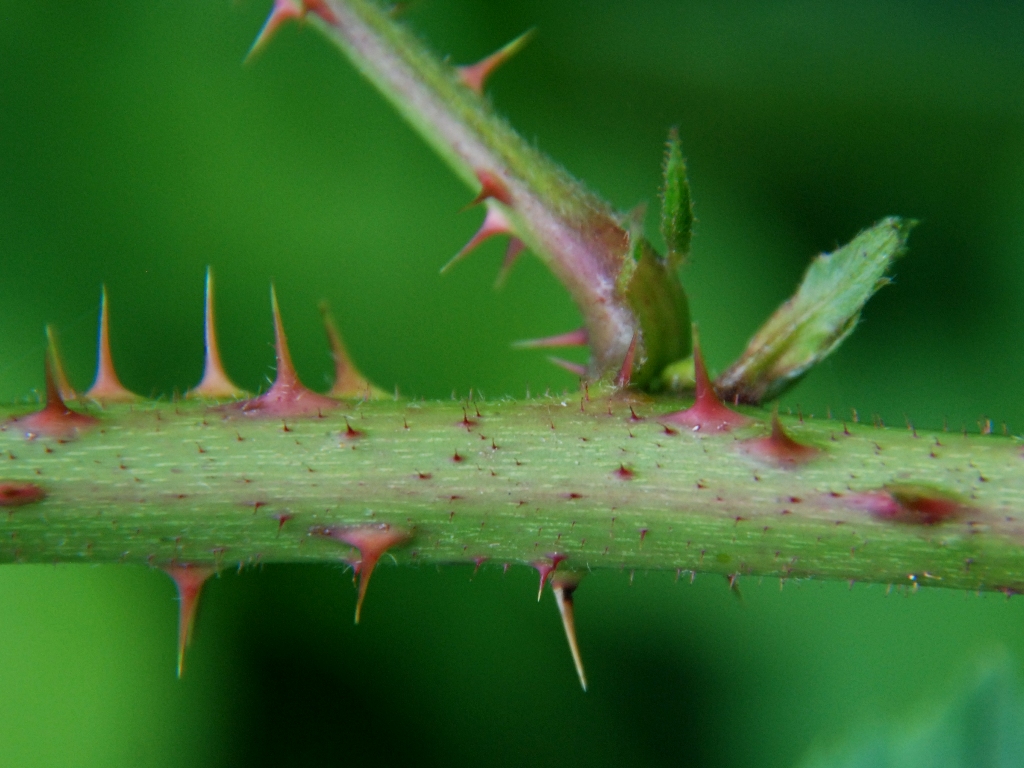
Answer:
(600, 483)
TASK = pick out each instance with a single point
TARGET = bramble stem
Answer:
(520, 482)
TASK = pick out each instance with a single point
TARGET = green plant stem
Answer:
(164, 483)
(575, 233)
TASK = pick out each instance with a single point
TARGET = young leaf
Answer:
(659, 303)
(819, 316)
(676, 204)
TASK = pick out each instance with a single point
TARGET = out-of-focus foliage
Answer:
(982, 728)
(135, 149)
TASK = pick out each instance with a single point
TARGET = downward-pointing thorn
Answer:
(512, 254)
(189, 580)
(475, 75)
(282, 11)
(577, 338)
(495, 223)
(491, 187)
(63, 385)
(215, 382)
(564, 584)
(107, 388)
(372, 541)
(546, 568)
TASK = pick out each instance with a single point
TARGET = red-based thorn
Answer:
(512, 253)
(348, 381)
(577, 338)
(54, 419)
(707, 414)
(564, 584)
(321, 8)
(545, 568)
(779, 448)
(491, 187)
(107, 388)
(475, 75)
(626, 371)
(372, 541)
(20, 494)
(215, 383)
(63, 385)
(910, 504)
(287, 397)
(282, 11)
(495, 223)
(189, 580)
(573, 368)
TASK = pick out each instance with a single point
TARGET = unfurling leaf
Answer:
(657, 299)
(676, 204)
(819, 316)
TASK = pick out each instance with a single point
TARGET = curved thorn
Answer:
(491, 187)
(282, 11)
(494, 223)
(512, 253)
(215, 382)
(348, 381)
(64, 387)
(475, 75)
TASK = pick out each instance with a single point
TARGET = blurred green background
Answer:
(135, 150)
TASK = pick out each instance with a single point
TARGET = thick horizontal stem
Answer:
(601, 483)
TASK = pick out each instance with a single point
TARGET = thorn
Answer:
(287, 397)
(564, 584)
(282, 11)
(626, 371)
(490, 187)
(215, 383)
(54, 419)
(348, 381)
(494, 223)
(512, 253)
(573, 368)
(577, 338)
(545, 568)
(707, 414)
(189, 580)
(372, 541)
(779, 448)
(20, 494)
(475, 75)
(67, 392)
(107, 388)
(322, 9)
(908, 504)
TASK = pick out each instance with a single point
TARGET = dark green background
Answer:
(135, 150)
